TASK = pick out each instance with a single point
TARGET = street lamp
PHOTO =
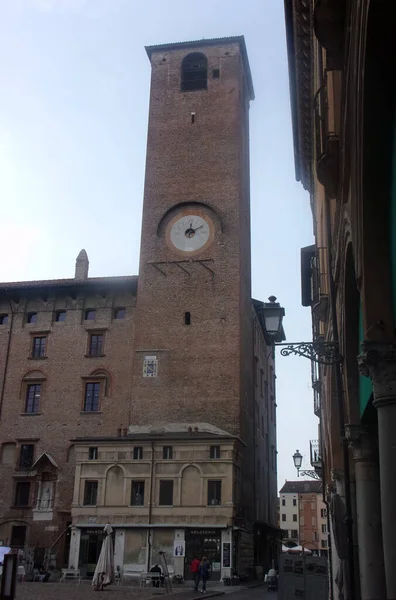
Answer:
(271, 317)
(297, 459)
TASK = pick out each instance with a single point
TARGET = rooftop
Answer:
(301, 487)
(237, 39)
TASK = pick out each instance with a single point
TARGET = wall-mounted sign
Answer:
(226, 555)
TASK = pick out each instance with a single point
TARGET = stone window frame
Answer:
(160, 482)
(17, 484)
(214, 483)
(95, 332)
(103, 377)
(137, 481)
(87, 381)
(38, 334)
(33, 377)
(88, 481)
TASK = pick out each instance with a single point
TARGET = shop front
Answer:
(90, 546)
(200, 543)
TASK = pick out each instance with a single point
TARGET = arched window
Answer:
(194, 72)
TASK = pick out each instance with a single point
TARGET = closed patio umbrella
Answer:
(104, 572)
(340, 532)
(3, 550)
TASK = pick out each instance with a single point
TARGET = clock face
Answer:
(190, 233)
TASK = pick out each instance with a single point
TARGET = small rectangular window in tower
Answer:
(214, 493)
(215, 452)
(26, 456)
(93, 453)
(90, 493)
(137, 493)
(150, 366)
(167, 452)
(60, 316)
(38, 346)
(192, 117)
(33, 393)
(119, 313)
(22, 493)
(187, 318)
(3, 319)
(166, 492)
(90, 314)
(137, 453)
(95, 344)
(216, 73)
(32, 317)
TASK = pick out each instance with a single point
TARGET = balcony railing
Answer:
(316, 460)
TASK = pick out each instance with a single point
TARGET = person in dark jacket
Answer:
(204, 573)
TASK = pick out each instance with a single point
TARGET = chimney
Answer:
(82, 266)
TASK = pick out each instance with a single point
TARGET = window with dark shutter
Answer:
(166, 492)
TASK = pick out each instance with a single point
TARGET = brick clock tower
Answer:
(193, 315)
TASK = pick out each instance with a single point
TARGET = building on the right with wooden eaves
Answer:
(341, 66)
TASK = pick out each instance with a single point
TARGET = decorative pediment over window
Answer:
(44, 462)
(34, 375)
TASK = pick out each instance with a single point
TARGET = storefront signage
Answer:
(226, 555)
(203, 532)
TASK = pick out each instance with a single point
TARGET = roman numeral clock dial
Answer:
(190, 233)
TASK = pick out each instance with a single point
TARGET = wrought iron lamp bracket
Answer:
(312, 474)
(324, 353)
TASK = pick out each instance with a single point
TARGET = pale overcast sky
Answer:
(73, 123)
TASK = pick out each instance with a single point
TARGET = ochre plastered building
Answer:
(150, 402)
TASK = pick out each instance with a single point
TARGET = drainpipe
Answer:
(340, 403)
(150, 507)
(7, 356)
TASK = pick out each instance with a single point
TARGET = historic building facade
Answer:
(343, 107)
(303, 515)
(150, 402)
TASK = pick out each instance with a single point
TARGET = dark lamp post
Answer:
(271, 316)
(297, 459)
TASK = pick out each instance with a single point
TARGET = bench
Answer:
(131, 572)
(70, 575)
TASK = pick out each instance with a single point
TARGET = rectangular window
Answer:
(324, 543)
(22, 493)
(167, 452)
(137, 493)
(92, 453)
(33, 394)
(294, 502)
(216, 73)
(215, 452)
(214, 493)
(95, 347)
(323, 513)
(18, 536)
(60, 316)
(283, 501)
(324, 528)
(294, 533)
(137, 453)
(294, 517)
(38, 346)
(90, 493)
(3, 319)
(166, 492)
(26, 456)
(90, 314)
(119, 313)
(92, 397)
(150, 366)
(283, 517)
(31, 318)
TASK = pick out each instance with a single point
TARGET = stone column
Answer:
(368, 510)
(378, 361)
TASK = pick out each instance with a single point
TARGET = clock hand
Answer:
(198, 228)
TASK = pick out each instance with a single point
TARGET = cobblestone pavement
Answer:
(84, 591)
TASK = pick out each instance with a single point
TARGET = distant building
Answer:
(303, 515)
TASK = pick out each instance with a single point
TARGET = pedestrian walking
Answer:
(204, 573)
(194, 569)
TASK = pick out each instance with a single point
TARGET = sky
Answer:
(73, 126)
